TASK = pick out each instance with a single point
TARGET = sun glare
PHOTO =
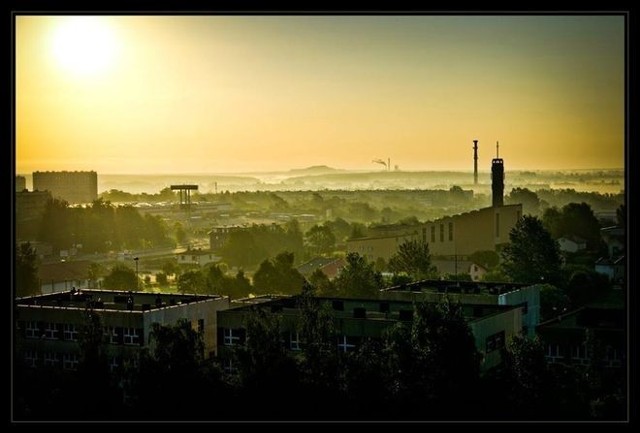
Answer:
(83, 45)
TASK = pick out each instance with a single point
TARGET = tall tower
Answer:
(497, 179)
(475, 162)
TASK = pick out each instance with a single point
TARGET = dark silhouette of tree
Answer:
(553, 301)
(621, 216)
(414, 259)
(575, 220)
(321, 283)
(121, 277)
(278, 276)
(192, 282)
(321, 239)
(26, 268)
(586, 285)
(532, 256)
(487, 259)
(358, 278)
(358, 230)
(340, 228)
(529, 200)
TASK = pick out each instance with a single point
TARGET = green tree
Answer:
(321, 239)
(161, 279)
(532, 256)
(487, 259)
(26, 268)
(358, 230)
(121, 277)
(553, 301)
(414, 259)
(191, 282)
(180, 233)
(278, 275)
(321, 283)
(529, 200)
(358, 278)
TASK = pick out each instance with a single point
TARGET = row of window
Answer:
(433, 233)
(69, 361)
(70, 332)
(234, 337)
(578, 354)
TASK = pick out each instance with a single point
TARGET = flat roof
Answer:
(115, 300)
(450, 286)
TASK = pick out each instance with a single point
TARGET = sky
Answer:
(225, 94)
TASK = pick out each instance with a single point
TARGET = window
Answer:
(70, 361)
(111, 335)
(553, 351)
(294, 340)
(433, 233)
(200, 326)
(228, 367)
(231, 338)
(70, 332)
(495, 341)
(51, 359)
(131, 336)
(450, 231)
(497, 225)
(30, 358)
(346, 344)
(338, 305)
(113, 363)
(525, 307)
(579, 352)
(51, 331)
(32, 330)
(441, 232)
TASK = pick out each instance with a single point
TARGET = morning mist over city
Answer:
(320, 218)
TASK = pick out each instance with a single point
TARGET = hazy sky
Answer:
(179, 94)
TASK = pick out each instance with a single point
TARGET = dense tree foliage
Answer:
(574, 220)
(100, 227)
(121, 277)
(358, 278)
(414, 259)
(278, 276)
(533, 256)
(529, 200)
(26, 271)
(320, 239)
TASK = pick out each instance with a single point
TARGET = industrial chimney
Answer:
(475, 162)
(497, 179)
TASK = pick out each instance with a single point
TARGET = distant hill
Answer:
(314, 170)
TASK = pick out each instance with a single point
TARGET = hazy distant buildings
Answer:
(21, 183)
(30, 207)
(196, 257)
(71, 186)
(218, 236)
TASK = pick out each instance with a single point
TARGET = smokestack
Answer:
(497, 179)
(475, 162)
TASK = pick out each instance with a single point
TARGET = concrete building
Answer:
(63, 276)
(356, 319)
(572, 244)
(614, 268)
(197, 257)
(30, 205)
(48, 327)
(566, 337)
(615, 239)
(21, 183)
(72, 186)
(474, 293)
(458, 235)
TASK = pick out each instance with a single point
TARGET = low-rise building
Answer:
(356, 319)
(48, 327)
(330, 266)
(474, 293)
(585, 335)
(218, 235)
(197, 257)
(614, 268)
(572, 244)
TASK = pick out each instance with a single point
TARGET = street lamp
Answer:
(137, 277)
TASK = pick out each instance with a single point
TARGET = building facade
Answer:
(72, 186)
(48, 328)
(526, 297)
(357, 319)
(458, 235)
(218, 236)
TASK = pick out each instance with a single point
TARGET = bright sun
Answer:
(84, 45)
